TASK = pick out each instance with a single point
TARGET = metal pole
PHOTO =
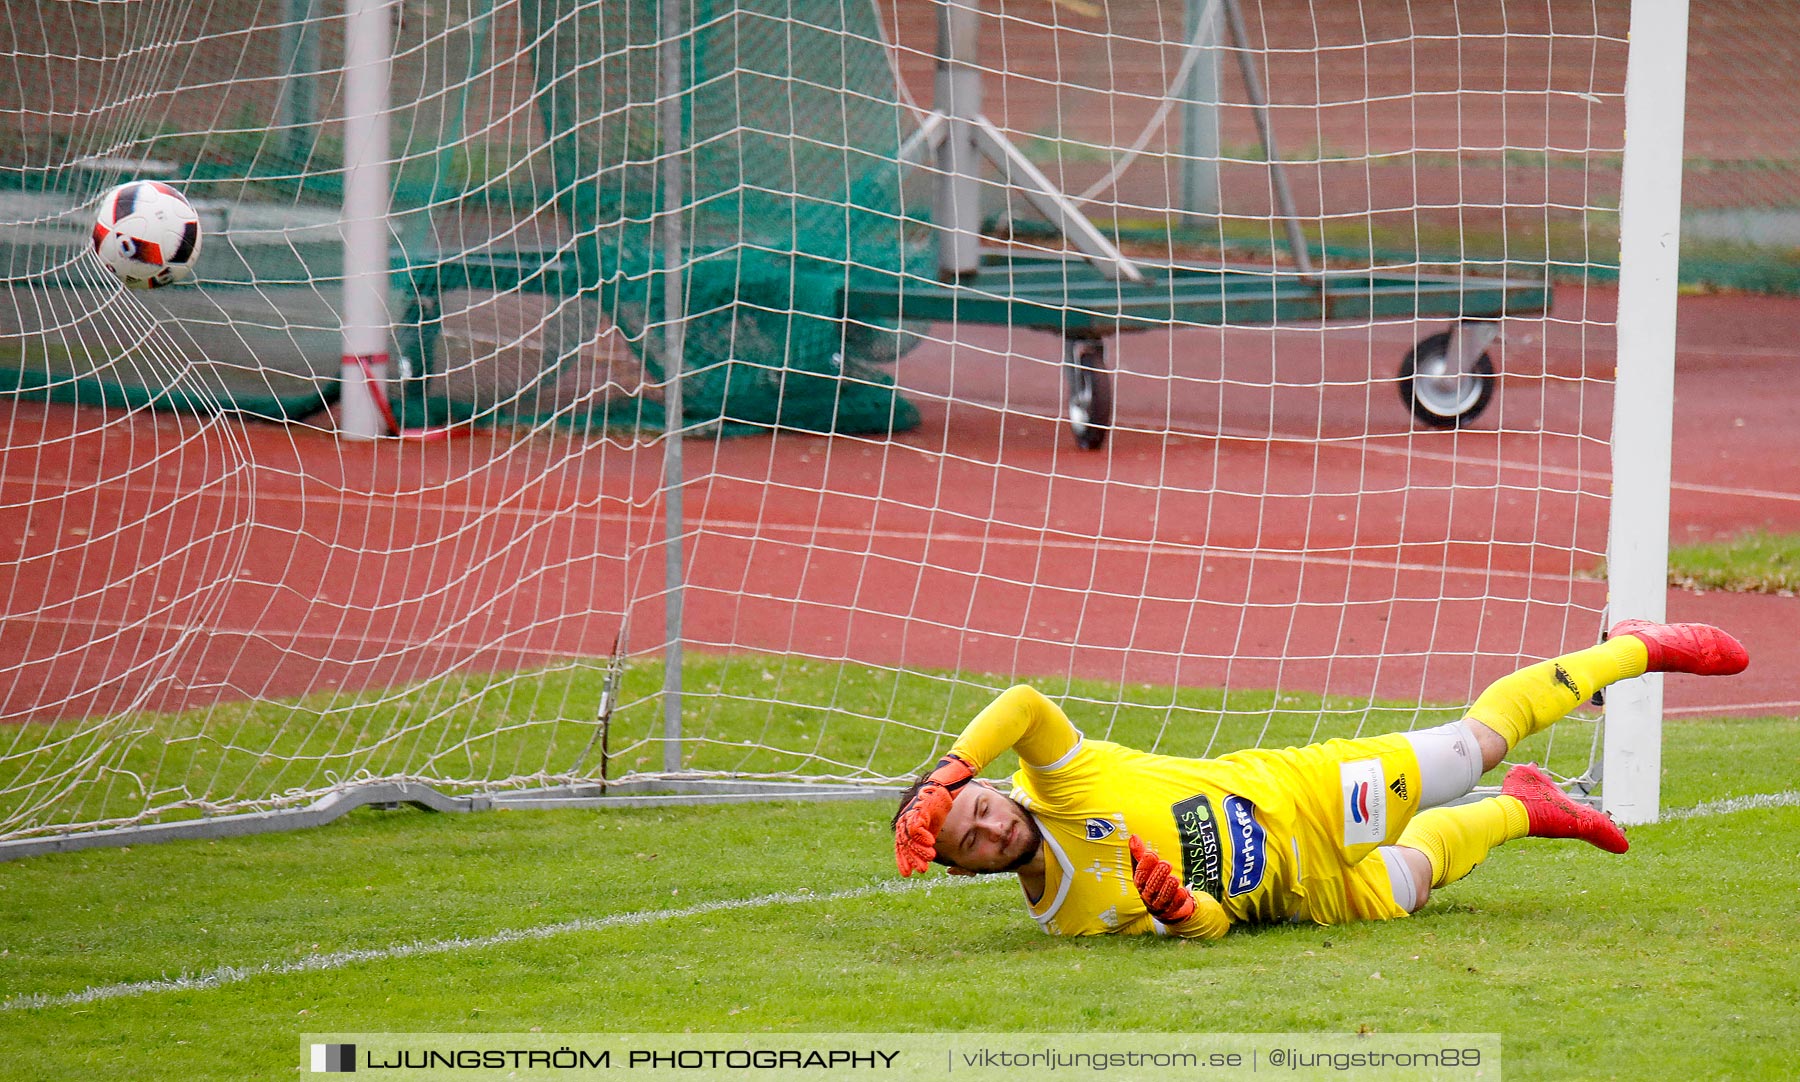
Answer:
(367, 48)
(296, 112)
(1259, 102)
(669, 115)
(1200, 115)
(967, 137)
(1644, 397)
(956, 208)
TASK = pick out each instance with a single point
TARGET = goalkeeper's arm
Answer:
(1020, 718)
(1174, 908)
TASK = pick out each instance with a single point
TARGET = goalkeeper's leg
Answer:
(1537, 696)
(1453, 757)
(1441, 845)
(1378, 792)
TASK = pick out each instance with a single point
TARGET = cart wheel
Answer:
(1090, 391)
(1436, 392)
(416, 342)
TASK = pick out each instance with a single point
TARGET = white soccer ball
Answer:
(147, 234)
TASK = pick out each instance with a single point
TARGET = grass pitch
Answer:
(1675, 960)
(1755, 562)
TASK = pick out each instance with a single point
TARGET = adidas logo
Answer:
(1398, 785)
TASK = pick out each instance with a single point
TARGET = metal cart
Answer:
(1446, 379)
(1085, 295)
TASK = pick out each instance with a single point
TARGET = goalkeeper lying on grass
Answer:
(1108, 839)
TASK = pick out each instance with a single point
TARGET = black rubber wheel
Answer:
(416, 341)
(1090, 402)
(1438, 396)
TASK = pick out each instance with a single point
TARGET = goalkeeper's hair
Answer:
(905, 799)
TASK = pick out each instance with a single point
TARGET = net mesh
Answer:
(208, 613)
(791, 131)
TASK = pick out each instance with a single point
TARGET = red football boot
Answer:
(1701, 649)
(1552, 814)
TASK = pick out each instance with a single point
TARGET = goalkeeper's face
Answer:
(986, 832)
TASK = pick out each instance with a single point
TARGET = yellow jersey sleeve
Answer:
(1021, 719)
(1208, 922)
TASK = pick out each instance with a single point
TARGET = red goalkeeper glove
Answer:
(1163, 894)
(916, 831)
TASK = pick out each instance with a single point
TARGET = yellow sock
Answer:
(1533, 698)
(1456, 839)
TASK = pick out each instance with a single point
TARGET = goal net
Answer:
(1275, 405)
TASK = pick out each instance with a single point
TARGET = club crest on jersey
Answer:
(1249, 851)
(1100, 829)
(1365, 801)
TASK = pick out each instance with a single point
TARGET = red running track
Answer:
(170, 562)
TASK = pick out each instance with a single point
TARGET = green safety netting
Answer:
(791, 132)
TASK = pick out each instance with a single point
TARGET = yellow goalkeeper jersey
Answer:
(1257, 835)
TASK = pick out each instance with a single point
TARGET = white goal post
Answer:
(1644, 402)
(700, 468)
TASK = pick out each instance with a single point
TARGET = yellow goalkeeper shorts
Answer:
(1349, 798)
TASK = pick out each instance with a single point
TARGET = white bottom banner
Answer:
(894, 1057)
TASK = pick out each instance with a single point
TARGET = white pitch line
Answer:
(1789, 799)
(316, 963)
